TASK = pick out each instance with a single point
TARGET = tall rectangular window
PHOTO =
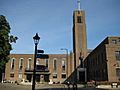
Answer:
(46, 62)
(55, 65)
(38, 62)
(12, 64)
(119, 40)
(118, 72)
(117, 55)
(20, 64)
(63, 66)
(29, 63)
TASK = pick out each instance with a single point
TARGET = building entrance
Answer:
(29, 77)
(37, 78)
(81, 76)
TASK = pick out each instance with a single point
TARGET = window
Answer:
(38, 62)
(54, 75)
(21, 64)
(11, 75)
(119, 40)
(55, 65)
(63, 66)
(102, 58)
(117, 55)
(63, 76)
(12, 63)
(46, 61)
(114, 41)
(118, 72)
(20, 76)
(79, 19)
(29, 63)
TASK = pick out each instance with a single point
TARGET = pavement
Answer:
(9, 86)
(108, 87)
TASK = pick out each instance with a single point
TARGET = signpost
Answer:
(42, 56)
(40, 51)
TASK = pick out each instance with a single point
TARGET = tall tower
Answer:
(79, 35)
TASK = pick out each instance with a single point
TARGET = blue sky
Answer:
(53, 20)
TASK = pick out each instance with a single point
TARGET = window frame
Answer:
(117, 55)
(55, 65)
(79, 19)
(21, 61)
(13, 63)
(63, 75)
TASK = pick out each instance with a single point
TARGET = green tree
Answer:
(5, 42)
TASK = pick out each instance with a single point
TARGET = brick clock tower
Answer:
(79, 35)
(79, 44)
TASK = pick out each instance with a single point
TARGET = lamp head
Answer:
(36, 39)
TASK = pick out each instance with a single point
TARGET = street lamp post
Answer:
(66, 58)
(36, 41)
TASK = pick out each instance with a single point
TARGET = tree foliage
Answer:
(5, 41)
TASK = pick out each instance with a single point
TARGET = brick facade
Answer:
(103, 63)
(16, 74)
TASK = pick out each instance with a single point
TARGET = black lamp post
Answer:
(36, 41)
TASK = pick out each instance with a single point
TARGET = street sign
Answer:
(40, 51)
(42, 56)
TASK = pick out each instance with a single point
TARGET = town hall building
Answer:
(100, 64)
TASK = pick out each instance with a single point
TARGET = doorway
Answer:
(81, 76)
(29, 77)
